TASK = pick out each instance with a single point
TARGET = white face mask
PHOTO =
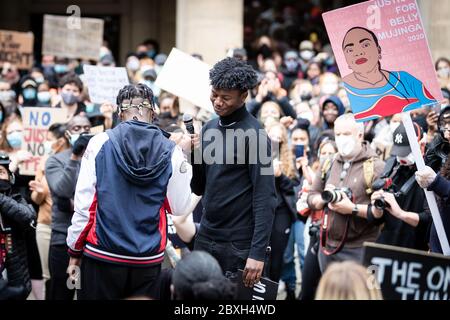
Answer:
(406, 161)
(393, 126)
(444, 73)
(133, 65)
(307, 115)
(346, 145)
(307, 55)
(329, 88)
(48, 147)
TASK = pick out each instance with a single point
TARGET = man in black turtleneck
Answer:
(232, 170)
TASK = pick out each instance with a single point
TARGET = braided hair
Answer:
(135, 91)
(131, 91)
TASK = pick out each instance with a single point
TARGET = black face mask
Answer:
(306, 97)
(5, 186)
(165, 115)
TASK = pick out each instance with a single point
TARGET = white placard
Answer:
(104, 83)
(186, 77)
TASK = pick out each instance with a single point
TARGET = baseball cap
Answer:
(401, 146)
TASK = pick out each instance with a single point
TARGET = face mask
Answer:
(133, 65)
(5, 186)
(165, 115)
(151, 53)
(44, 97)
(329, 89)
(291, 65)
(74, 138)
(406, 161)
(307, 55)
(307, 115)
(48, 71)
(7, 95)
(69, 98)
(15, 139)
(61, 68)
(323, 159)
(329, 61)
(39, 80)
(393, 126)
(306, 97)
(346, 145)
(48, 147)
(29, 94)
(444, 73)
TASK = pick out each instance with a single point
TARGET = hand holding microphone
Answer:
(189, 124)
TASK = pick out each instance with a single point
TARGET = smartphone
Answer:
(299, 151)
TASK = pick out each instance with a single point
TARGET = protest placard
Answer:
(104, 83)
(383, 56)
(406, 274)
(265, 289)
(36, 122)
(62, 39)
(186, 77)
(16, 48)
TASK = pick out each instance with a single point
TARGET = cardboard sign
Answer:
(64, 39)
(383, 56)
(16, 48)
(104, 83)
(36, 122)
(186, 77)
(406, 274)
(265, 289)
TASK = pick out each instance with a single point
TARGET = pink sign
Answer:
(383, 56)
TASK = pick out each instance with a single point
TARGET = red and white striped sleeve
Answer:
(85, 202)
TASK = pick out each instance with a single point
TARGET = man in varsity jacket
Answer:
(129, 177)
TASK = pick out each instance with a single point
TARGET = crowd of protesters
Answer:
(317, 147)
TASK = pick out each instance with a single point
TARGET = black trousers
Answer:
(106, 281)
(34, 261)
(58, 261)
(278, 241)
(311, 271)
(230, 255)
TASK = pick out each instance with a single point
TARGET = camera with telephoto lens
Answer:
(336, 195)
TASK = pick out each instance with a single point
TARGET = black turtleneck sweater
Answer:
(239, 198)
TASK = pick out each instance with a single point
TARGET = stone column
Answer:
(209, 27)
(435, 16)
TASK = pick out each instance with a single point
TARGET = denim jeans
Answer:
(296, 237)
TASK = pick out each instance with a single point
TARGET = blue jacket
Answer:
(122, 195)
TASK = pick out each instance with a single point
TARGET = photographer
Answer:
(439, 148)
(400, 206)
(347, 201)
(440, 184)
(61, 172)
(16, 217)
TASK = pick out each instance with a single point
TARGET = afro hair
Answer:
(233, 74)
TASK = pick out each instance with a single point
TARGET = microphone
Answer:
(189, 123)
